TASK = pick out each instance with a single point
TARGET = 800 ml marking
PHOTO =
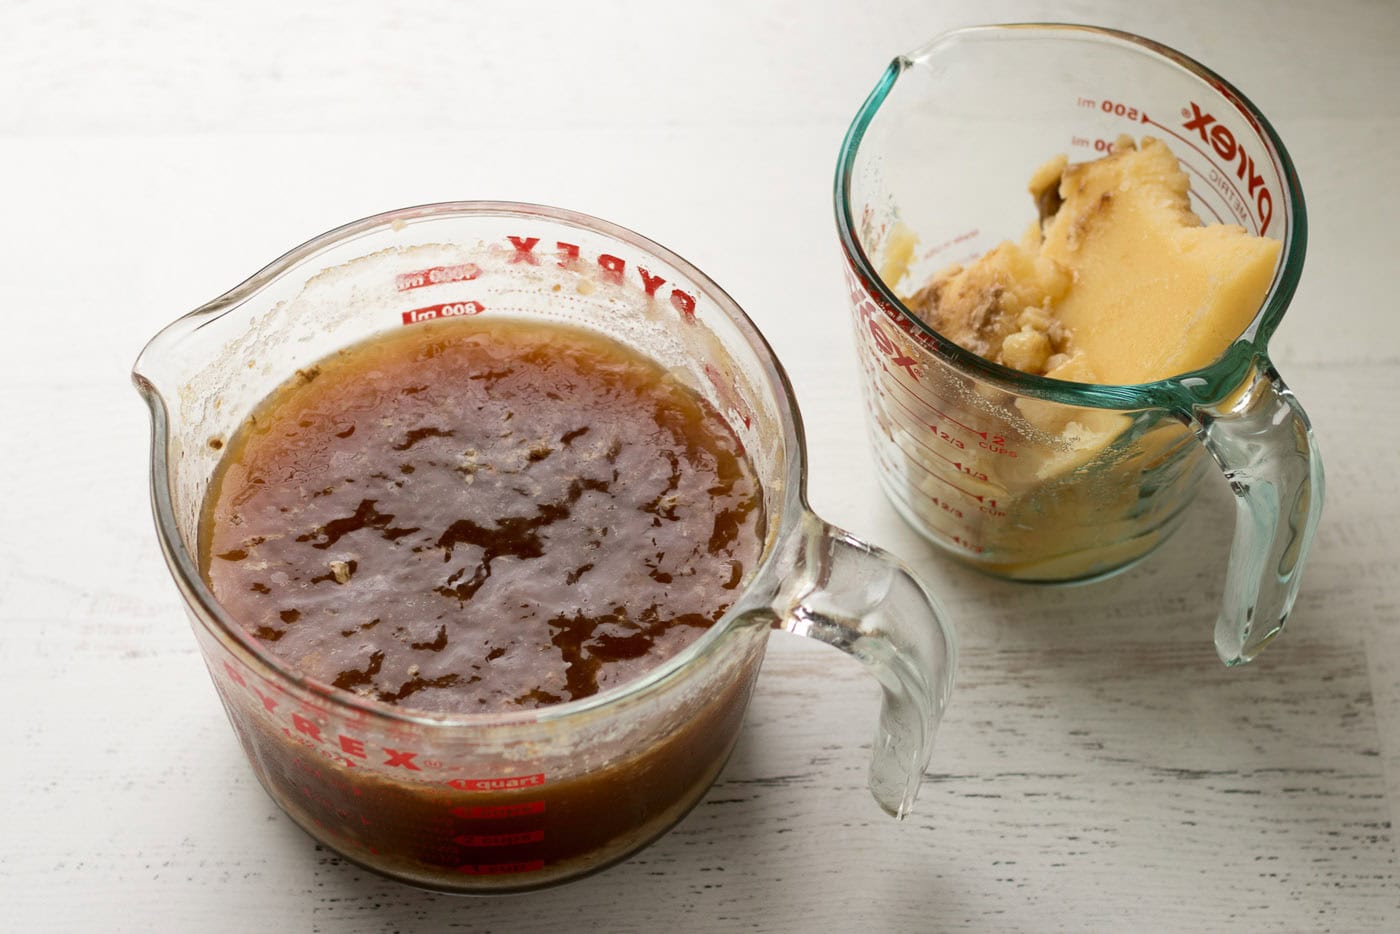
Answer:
(445, 310)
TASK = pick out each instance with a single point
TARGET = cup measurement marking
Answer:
(497, 838)
(991, 441)
(506, 783)
(936, 475)
(962, 468)
(986, 505)
(948, 509)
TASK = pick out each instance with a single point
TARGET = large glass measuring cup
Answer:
(513, 801)
(1044, 480)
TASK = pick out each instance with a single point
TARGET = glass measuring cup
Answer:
(1037, 479)
(514, 801)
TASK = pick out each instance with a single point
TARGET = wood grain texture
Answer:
(1098, 769)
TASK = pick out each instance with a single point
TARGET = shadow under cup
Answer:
(515, 801)
(1043, 480)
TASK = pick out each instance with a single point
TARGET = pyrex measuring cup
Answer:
(1039, 479)
(512, 801)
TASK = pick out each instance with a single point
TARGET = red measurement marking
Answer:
(931, 472)
(942, 479)
(946, 244)
(500, 839)
(501, 869)
(1118, 108)
(444, 310)
(498, 784)
(435, 275)
(942, 414)
(946, 508)
(974, 474)
(496, 811)
(991, 442)
(939, 412)
(922, 425)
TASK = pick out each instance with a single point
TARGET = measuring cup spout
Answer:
(865, 602)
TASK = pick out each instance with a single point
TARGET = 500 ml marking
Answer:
(1113, 109)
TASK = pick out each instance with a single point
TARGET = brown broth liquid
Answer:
(480, 517)
(484, 516)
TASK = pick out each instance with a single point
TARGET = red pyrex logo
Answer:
(614, 267)
(1219, 138)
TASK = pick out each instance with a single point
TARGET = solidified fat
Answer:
(1119, 282)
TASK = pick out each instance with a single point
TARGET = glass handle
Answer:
(865, 602)
(1263, 442)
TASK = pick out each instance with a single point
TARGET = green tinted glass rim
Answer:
(1205, 386)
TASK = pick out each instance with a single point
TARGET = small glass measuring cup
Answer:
(1044, 480)
(515, 801)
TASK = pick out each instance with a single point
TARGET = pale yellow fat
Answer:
(1155, 293)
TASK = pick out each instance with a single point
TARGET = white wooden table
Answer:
(1098, 769)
